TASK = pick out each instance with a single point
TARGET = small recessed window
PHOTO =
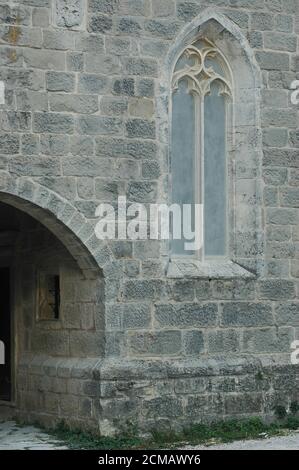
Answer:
(48, 296)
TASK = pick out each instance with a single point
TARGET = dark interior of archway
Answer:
(19, 235)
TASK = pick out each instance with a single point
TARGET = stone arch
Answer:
(245, 138)
(62, 219)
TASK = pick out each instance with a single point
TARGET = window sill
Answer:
(191, 268)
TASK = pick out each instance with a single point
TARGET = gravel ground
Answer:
(14, 437)
(289, 442)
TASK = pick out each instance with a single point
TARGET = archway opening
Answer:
(49, 308)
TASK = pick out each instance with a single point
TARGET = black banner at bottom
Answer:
(134, 459)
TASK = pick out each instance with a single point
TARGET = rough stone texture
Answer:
(86, 119)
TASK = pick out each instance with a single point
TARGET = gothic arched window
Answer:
(201, 94)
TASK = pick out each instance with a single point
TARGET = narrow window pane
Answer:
(214, 174)
(183, 154)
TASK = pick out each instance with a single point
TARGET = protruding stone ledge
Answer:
(192, 268)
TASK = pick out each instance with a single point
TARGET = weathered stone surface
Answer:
(186, 315)
(246, 314)
(69, 13)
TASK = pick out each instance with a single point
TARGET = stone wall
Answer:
(86, 118)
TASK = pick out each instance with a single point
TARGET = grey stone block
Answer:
(239, 17)
(270, 196)
(104, 6)
(85, 187)
(113, 106)
(182, 290)
(262, 21)
(186, 315)
(44, 59)
(294, 177)
(287, 313)
(9, 143)
(93, 84)
(154, 48)
(15, 14)
(280, 250)
(278, 233)
(275, 176)
(193, 343)
(53, 123)
(267, 340)
(167, 407)
(201, 406)
(294, 139)
(104, 64)
(275, 137)
(99, 23)
(140, 128)
(284, 23)
(54, 144)
(275, 290)
(118, 45)
(69, 13)
(279, 117)
(75, 61)
(130, 26)
(99, 125)
(148, 249)
(241, 404)
(136, 316)
(30, 144)
(162, 28)
(143, 67)
(142, 192)
(10, 56)
(60, 81)
(163, 9)
(280, 41)
(275, 157)
(82, 104)
(246, 314)
(35, 166)
(223, 341)
(151, 343)
(90, 43)
(140, 290)
(282, 216)
(186, 11)
(60, 40)
(273, 60)
(25, 36)
(255, 39)
(124, 86)
(82, 145)
(40, 17)
(28, 100)
(151, 170)
(146, 87)
(15, 121)
(290, 197)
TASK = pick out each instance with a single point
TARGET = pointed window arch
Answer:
(202, 95)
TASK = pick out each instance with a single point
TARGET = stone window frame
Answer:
(200, 79)
(246, 244)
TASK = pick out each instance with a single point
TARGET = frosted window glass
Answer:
(214, 174)
(183, 153)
